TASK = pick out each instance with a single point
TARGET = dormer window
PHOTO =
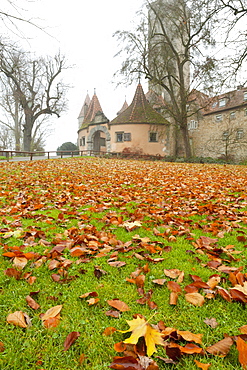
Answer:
(222, 102)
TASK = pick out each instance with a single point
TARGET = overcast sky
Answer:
(82, 30)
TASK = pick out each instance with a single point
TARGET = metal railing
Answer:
(12, 154)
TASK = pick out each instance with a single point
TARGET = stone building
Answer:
(219, 128)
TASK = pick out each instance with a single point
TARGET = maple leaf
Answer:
(141, 328)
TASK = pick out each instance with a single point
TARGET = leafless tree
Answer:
(36, 86)
(169, 48)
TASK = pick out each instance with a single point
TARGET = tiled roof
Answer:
(125, 106)
(85, 104)
(93, 109)
(139, 111)
(232, 100)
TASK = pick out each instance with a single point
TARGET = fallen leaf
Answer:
(190, 337)
(243, 329)
(221, 348)
(109, 330)
(20, 262)
(92, 301)
(32, 303)
(242, 352)
(172, 273)
(119, 305)
(211, 322)
(159, 281)
(52, 312)
(141, 328)
(2, 349)
(71, 338)
(18, 319)
(195, 298)
(202, 365)
(127, 362)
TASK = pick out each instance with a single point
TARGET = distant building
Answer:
(138, 128)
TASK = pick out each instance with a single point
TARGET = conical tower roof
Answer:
(125, 106)
(93, 109)
(139, 111)
(85, 106)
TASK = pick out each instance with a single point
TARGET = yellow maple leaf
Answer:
(141, 328)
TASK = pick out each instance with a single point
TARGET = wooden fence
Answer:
(11, 154)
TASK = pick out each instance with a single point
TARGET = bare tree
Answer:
(169, 48)
(6, 138)
(35, 84)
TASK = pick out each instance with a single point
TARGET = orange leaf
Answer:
(92, 301)
(201, 365)
(173, 298)
(242, 352)
(119, 347)
(243, 329)
(52, 312)
(109, 330)
(190, 337)
(51, 322)
(119, 305)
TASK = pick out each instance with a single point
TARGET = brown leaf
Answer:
(32, 303)
(117, 263)
(173, 298)
(242, 352)
(174, 287)
(127, 362)
(12, 272)
(2, 349)
(221, 348)
(191, 349)
(71, 338)
(213, 281)
(112, 313)
(119, 305)
(211, 322)
(195, 298)
(224, 294)
(18, 319)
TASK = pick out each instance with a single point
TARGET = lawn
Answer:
(128, 264)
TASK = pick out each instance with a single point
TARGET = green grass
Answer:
(86, 191)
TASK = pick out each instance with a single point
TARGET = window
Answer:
(119, 137)
(127, 136)
(153, 137)
(192, 125)
(225, 135)
(218, 117)
(102, 141)
(232, 115)
(214, 104)
(240, 134)
(245, 95)
(83, 141)
(222, 102)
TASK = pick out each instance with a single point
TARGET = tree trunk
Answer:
(27, 132)
(186, 141)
